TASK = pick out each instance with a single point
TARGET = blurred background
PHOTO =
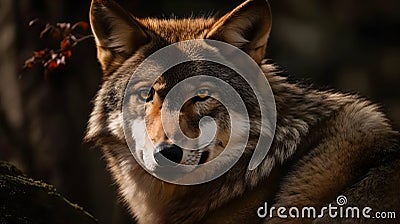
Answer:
(349, 45)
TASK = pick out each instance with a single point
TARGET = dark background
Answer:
(349, 45)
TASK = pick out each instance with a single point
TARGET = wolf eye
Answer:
(145, 94)
(203, 94)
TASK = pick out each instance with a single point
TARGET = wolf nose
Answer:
(167, 153)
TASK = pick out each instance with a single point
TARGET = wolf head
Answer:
(124, 42)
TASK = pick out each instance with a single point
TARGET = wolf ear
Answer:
(246, 27)
(118, 35)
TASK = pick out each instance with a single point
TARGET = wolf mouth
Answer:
(173, 157)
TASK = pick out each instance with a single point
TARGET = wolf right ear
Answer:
(246, 27)
(118, 35)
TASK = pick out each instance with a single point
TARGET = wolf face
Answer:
(325, 143)
(195, 99)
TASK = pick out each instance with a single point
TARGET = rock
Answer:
(24, 200)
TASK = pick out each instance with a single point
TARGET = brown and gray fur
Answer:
(326, 143)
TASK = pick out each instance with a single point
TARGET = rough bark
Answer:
(24, 200)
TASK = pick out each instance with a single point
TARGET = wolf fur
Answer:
(326, 143)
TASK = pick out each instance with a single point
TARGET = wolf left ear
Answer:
(246, 27)
(118, 35)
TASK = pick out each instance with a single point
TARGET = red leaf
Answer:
(82, 25)
(65, 44)
(52, 65)
(40, 54)
(67, 54)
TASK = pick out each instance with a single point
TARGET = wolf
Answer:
(326, 143)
